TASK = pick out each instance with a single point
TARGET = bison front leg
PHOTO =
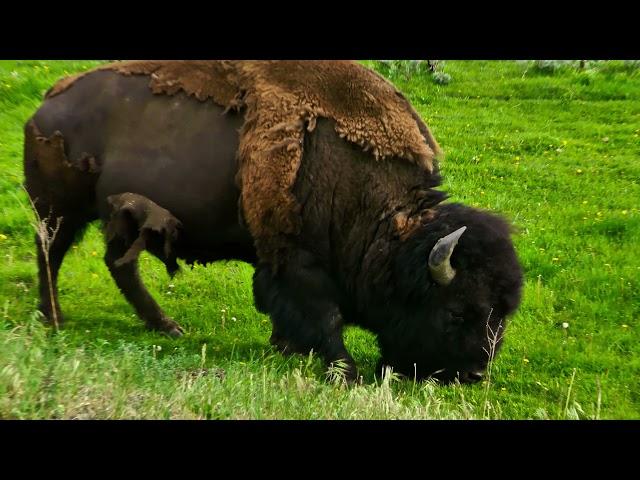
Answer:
(301, 301)
(128, 279)
(137, 224)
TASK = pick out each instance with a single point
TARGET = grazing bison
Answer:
(320, 174)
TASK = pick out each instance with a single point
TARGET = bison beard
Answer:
(341, 230)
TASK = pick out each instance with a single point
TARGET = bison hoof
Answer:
(176, 332)
(286, 347)
(353, 378)
(47, 316)
(170, 328)
(345, 371)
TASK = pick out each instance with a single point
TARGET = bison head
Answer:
(454, 282)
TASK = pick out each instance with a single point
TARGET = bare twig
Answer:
(415, 378)
(203, 356)
(47, 235)
(494, 338)
(599, 399)
(566, 405)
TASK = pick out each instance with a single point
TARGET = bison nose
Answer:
(471, 376)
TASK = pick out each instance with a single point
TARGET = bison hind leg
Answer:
(138, 224)
(67, 229)
(61, 197)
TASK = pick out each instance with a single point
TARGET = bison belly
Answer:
(175, 150)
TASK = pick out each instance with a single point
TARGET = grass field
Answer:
(558, 154)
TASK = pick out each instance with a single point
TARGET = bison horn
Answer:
(440, 258)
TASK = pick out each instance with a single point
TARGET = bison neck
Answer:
(358, 212)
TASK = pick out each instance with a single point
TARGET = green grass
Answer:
(557, 154)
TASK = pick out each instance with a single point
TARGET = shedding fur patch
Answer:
(52, 159)
(199, 78)
(283, 100)
(138, 221)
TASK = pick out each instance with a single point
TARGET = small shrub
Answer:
(630, 67)
(407, 68)
(392, 69)
(584, 66)
(552, 66)
(441, 78)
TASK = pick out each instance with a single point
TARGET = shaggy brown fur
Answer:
(283, 100)
(203, 79)
(136, 217)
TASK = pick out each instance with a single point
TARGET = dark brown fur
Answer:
(174, 153)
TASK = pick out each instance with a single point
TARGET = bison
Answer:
(320, 174)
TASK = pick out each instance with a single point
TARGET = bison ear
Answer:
(440, 258)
